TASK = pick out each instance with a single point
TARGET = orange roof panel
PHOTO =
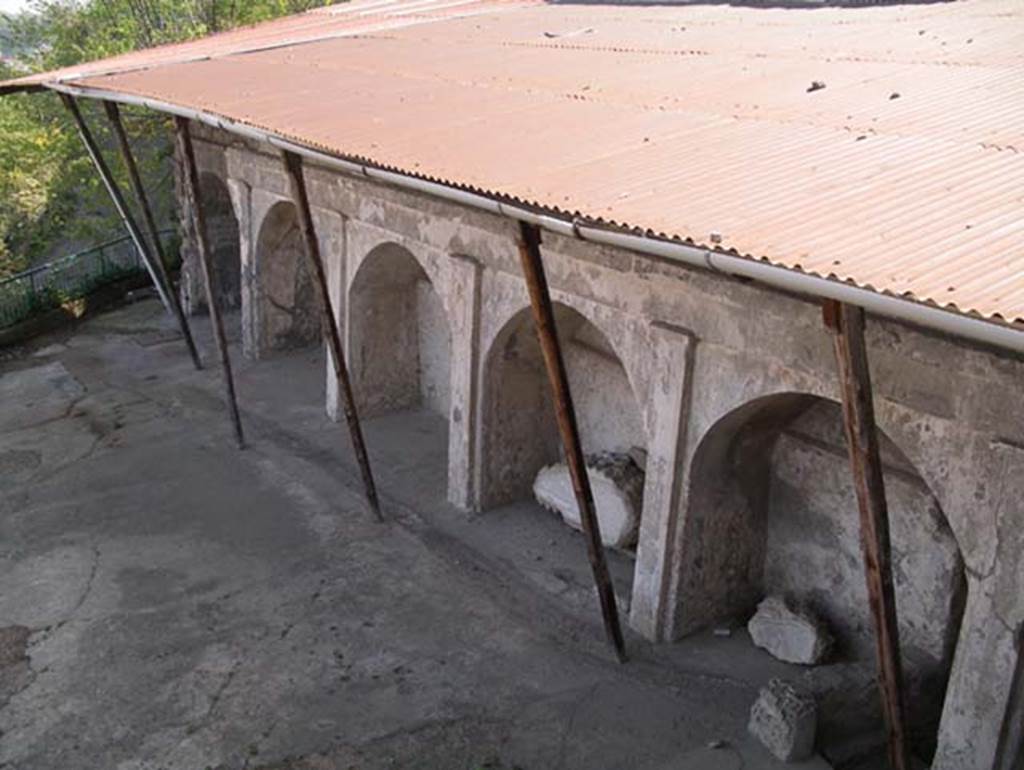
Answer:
(904, 173)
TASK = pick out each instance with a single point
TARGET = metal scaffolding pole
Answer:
(195, 206)
(328, 322)
(847, 325)
(118, 199)
(160, 261)
(544, 320)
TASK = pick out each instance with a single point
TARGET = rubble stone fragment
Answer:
(618, 485)
(784, 720)
(789, 632)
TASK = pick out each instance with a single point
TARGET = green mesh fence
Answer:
(47, 286)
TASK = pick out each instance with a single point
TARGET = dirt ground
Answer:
(171, 602)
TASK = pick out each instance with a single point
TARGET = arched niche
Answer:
(518, 428)
(222, 232)
(222, 235)
(287, 303)
(399, 335)
(772, 510)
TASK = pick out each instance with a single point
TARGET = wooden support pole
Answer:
(328, 321)
(160, 261)
(195, 206)
(544, 320)
(847, 325)
(119, 202)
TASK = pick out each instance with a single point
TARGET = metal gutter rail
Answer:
(966, 327)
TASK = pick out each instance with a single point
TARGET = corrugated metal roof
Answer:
(903, 174)
(336, 21)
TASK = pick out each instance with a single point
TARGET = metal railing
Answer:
(50, 285)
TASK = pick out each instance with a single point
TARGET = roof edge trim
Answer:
(980, 330)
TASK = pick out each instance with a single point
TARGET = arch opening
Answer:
(287, 304)
(399, 336)
(520, 434)
(222, 233)
(772, 511)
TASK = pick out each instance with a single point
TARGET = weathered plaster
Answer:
(391, 302)
(813, 552)
(695, 346)
(465, 354)
(222, 234)
(283, 312)
(516, 432)
(669, 395)
(331, 231)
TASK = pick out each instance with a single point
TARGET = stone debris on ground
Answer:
(790, 632)
(618, 486)
(784, 719)
(13, 641)
(15, 672)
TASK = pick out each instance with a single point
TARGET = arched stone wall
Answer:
(450, 292)
(286, 315)
(399, 335)
(222, 232)
(771, 509)
(697, 345)
(519, 432)
(223, 235)
(980, 481)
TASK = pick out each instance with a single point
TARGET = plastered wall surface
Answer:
(223, 235)
(695, 349)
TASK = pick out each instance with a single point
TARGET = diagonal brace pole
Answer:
(119, 202)
(328, 321)
(544, 320)
(160, 262)
(195, 206)
(847, 325)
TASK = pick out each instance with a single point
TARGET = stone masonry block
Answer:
(784, 720)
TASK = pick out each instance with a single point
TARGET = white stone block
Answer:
(617, 484)
(789, 632)
(784, 720)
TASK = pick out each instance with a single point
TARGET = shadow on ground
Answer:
(171, 602)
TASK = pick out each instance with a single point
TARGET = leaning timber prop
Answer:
(544, 320)
(328, 321)
(195, 206)
(155, 268)
(847, 325)
(160, 261)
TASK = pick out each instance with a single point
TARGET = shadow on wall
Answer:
(520, 435)
(225, 250)
(772, 510)
(222, 231)
(287, 303)
(399, 336)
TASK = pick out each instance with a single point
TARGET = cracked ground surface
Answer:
(171, 602)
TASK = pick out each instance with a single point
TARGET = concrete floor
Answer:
(171, 602)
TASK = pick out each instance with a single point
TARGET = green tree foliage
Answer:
(50, 198)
